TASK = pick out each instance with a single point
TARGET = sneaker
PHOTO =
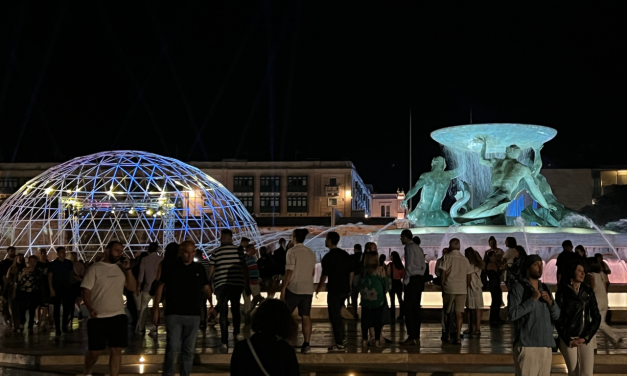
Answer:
(337, 348)
(224, 346)
(305, 348)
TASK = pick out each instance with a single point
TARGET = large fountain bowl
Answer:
(499, 136)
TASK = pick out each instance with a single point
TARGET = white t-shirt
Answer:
(457, 268)
(302, 261)
(510, 255)
(106, 282)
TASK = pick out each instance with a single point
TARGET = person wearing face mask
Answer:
(579, 319)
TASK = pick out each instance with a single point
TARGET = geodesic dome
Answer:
(130, 196)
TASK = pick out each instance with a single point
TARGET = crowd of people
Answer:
(183, 280)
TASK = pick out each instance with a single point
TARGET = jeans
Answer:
(142, 307)
(335, 302)
(132, 306)
(397, 290)
(181, 338)
(251, 301)
(497, 296)
(413, 312)
(66, 299)
(29, 301)
(371, 318)
(226, 294)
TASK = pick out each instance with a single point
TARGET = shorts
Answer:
(448, 300)
(302, 301)
(112, 331)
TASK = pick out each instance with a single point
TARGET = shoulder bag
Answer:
(252, 350)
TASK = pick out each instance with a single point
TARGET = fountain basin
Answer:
(499, 136)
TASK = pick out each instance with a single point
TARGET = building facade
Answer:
(294, 189)
(388, 205)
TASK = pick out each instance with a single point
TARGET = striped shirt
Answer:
(227, 261)
(253, 270)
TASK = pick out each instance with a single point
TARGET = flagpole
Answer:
(410, 181)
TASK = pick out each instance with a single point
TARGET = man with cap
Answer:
(532, 309)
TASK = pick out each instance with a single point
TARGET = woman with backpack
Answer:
(579, 320)
(474, 297)
(373, 290)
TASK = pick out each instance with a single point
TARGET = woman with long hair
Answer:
(493, 271)
(596, 281)
(581, 251)
(29, 292)
(10, 289)
(396, 270)
(579, 319)
(170, 256)
(268, 352)
(474, 297)
(372, 291)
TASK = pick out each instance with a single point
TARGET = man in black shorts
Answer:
(103, 292)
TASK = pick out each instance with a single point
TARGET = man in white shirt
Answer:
(456, 273)
(103, 291)
(148, 268)
(298, 288)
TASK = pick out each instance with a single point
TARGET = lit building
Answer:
(388, 205)
(294, 189)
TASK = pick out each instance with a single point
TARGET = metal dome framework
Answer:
(131, 196)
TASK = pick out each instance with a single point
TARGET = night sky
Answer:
(294, 80)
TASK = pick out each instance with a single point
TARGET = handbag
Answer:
(252, 350)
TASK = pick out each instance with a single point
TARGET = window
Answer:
(9, 182)
(270, 183)
(333, 202)
(243, 184)
(333, 182)
(297, 184)
(385, 210)
(243, 181)
(269, 205)
(296, 181)
(247, 202)
(297, 204)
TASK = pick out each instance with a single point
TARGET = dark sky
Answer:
(292, 80)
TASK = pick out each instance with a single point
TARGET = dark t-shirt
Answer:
(564, 259)
(184, 284)
(358, 263)
(337, 265)
(266, 266)
(61, 272)
(280, 255)
(276, 356)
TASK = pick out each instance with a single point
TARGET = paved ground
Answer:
(493, 340)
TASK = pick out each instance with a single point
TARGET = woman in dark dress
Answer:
(273, 325)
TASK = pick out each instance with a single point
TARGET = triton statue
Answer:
(543, 216)
(507, 173)
(434, 185)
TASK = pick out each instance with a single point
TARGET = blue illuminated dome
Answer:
(131, 196)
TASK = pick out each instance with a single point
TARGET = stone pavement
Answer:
(489, 353)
